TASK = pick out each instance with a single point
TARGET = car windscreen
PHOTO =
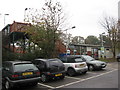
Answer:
(24, 67)
(55, 62)
(88, 58)
(78, 60)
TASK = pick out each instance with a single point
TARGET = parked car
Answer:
(92, 63)
(50, 68)
(74, 64)
(15, 73)
(118, 57)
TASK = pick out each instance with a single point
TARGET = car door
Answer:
(42, 66)
(69, 63)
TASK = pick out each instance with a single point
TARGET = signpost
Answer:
(102, 51)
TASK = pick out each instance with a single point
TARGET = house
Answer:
(11, 33)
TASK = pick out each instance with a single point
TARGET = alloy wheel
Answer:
(7, 85)
(43, 78)
(91, 68)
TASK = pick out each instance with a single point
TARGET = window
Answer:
(36, 62)
(64, 60)
(88, 58)
(54, 62)
(24, 67)
(41, 65)
(7, 66)
(78, 60)
(71, 60)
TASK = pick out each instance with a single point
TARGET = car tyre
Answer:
(118, 59)
(7, 85)
(62, 77)
(71, 72)
(44, 78)
(91, 67)
(35, 83)
(84, 72)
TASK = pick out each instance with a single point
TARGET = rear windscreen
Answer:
(24, 67)
(78, 60)
(55, 62)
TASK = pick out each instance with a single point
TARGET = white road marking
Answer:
(78, 80)
(73, 77)
(46, 85)
(85, 79)
(92, 72)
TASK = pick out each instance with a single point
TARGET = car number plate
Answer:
(27, 73)
(60, 74)
(82, 64)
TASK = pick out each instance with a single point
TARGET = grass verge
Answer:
(108, 59)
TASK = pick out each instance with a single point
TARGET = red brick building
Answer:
(15, 31)
(11, 33)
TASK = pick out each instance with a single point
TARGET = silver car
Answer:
(74, 64)
(92, 63)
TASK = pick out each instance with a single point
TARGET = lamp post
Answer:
(102, 46)
(4, 18)
(67, 39)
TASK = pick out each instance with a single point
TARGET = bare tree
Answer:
(110, 24)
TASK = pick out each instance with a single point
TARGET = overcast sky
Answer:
(84, 14)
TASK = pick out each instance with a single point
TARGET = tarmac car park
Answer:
(80, 79)
(68, 81)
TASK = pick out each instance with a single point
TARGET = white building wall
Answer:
(89, 49)
(109, 54)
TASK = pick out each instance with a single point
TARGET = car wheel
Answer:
(84, 72)
(71, 72)
(91, 67)
(62, 77)
(34, 84)
(44, 78)
(118, 60)
(7, 85)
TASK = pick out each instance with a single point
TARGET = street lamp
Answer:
(4, 18)
(67, 39)
(102, 46)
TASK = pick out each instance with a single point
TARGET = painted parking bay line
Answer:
(92, 72)
(73, 77)
(51, 87)
(85, 79)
